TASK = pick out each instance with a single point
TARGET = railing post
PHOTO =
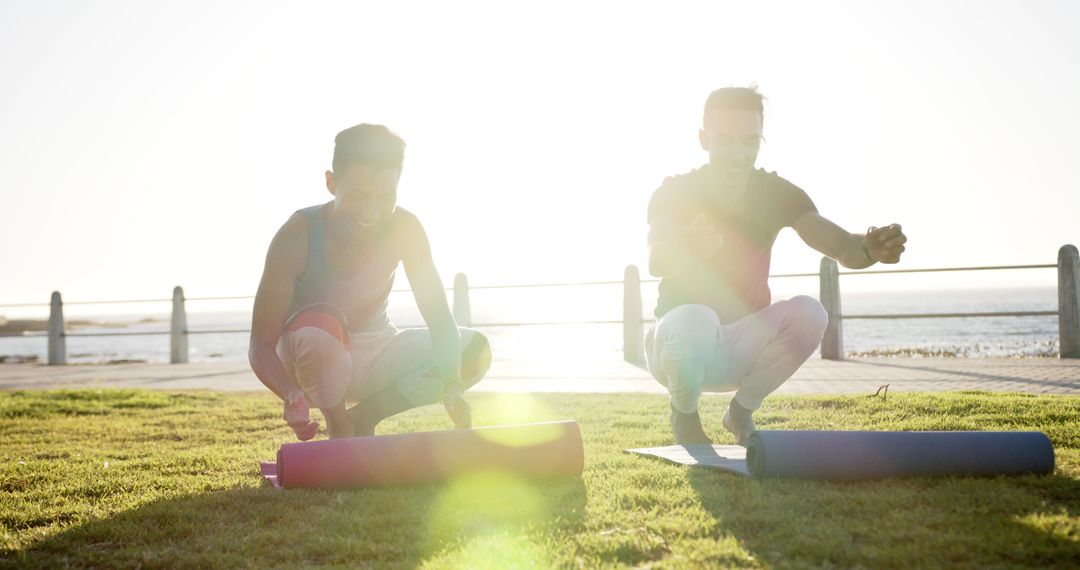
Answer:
(57, 341)
(1069, 301)
(178, 341)
(633, 341)
(462, 308)
(832, 344)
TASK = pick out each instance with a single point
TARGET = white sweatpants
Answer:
(690, 352)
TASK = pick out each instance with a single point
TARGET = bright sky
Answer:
(149, 144)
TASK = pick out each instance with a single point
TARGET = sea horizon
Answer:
(557, 321)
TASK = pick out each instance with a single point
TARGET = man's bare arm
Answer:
(285, 262)
(854, 251)
(445, 337)
(431, 300)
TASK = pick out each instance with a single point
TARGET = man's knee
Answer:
(475, 357)
(810, 317)
(322, 365)
(685, 341)
(313, 346)
(689, 330)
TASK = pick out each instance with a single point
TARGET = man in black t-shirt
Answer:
(711, 233)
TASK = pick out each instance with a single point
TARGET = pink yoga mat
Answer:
(531, 450)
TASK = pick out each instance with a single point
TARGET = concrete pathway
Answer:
(862, 376)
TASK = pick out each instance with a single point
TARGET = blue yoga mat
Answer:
(863, 455)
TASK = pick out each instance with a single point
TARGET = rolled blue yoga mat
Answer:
(864, 455)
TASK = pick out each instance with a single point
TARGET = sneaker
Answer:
(741, 430)
(687, 428)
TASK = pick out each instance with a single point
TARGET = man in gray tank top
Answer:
(320, 334)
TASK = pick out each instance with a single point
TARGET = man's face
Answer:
(364, 196)
(732, 138)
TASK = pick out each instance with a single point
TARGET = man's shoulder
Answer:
(299, 220)
(293, 235)
(403, 214)
(771, 180)
(403, 219)
(687, 181)
(783, 199)
(309, 211)
(678, 188)
(405, 236)
(288, 249)
(296, 225)
(403, 227)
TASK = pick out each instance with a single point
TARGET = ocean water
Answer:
(563, 334)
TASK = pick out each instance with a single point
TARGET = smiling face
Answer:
(732, 137)
(364, 196)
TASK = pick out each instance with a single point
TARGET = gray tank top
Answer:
(363, 298)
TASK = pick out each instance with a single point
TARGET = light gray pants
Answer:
(690, 352)
(329, 372)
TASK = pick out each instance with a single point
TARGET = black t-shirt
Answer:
(733, 282)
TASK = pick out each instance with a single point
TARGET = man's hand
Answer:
(457, 408)
(885, 244)
(701, 237)
(298, 415)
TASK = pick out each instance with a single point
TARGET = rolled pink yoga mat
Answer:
(531, 450)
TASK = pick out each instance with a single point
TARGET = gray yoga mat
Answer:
(730, 458)
(867, 455)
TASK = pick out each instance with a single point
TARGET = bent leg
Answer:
(681, 351)
(767, 347)
(321, 366)
(402, 377)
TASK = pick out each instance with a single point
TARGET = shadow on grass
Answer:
(946, 522)
(486, 515)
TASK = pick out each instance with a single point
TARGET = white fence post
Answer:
(832, 344)
(633, 341)
(57, 341)
(178, 341)
(462, 308)
(1069, 301)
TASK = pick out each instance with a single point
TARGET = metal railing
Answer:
(832, 344)
(1068, 313)
(633, 321)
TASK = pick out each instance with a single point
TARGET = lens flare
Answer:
(489, 513)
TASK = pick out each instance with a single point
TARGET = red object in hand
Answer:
(304, 433)
(298, 416)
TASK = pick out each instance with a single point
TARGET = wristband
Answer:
(293, 397)
(865, 248)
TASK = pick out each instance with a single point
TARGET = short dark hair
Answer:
(744, 98)
(368, 144)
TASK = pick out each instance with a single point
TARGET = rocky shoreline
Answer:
(19, 327)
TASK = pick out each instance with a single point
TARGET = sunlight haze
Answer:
(146, 145)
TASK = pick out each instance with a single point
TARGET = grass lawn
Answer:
(121, 478)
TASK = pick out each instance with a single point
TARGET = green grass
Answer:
(120, 478)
